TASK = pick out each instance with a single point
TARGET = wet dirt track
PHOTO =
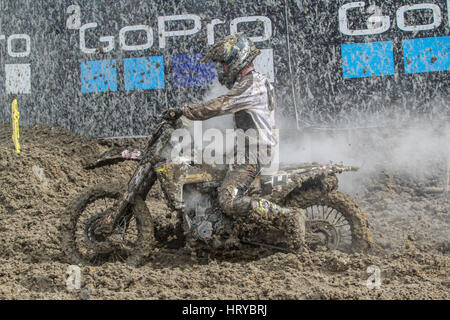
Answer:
(410, 227)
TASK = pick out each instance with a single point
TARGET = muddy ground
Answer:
(410, 224)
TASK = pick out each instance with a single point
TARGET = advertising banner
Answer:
(108, 68)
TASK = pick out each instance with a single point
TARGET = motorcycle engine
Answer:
(202, 213)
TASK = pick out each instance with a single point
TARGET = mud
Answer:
(409, 220)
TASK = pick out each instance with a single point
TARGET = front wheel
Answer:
(83, 240)
(334, 220)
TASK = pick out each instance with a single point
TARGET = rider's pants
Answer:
(232, 193)
(234, 202)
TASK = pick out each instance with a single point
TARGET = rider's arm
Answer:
(238, 98)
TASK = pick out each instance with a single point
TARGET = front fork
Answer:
(139, 186)
(143, 178)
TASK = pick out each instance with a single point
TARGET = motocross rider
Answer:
(251, 100)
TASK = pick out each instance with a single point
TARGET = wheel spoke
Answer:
(84, 234)
(338, 220)
(339, 217)
(332, 218)
(342, 225)
(327, 215)
(331, 210)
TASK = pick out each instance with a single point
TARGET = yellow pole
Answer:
(15, 121)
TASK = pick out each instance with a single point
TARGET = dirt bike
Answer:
(125, 226)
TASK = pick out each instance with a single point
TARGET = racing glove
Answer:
(172, 114)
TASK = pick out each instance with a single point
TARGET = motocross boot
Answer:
(291, 221)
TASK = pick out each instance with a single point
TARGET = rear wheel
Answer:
(334, 220)
(83, 237)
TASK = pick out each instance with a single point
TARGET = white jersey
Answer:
(252, 103)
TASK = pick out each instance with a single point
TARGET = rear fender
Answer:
(278, 186)
(275, 187)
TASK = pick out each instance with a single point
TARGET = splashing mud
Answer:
(409, 222)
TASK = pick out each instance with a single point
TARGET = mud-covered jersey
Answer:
(252, 103)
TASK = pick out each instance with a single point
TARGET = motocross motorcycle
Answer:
(115, 219)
